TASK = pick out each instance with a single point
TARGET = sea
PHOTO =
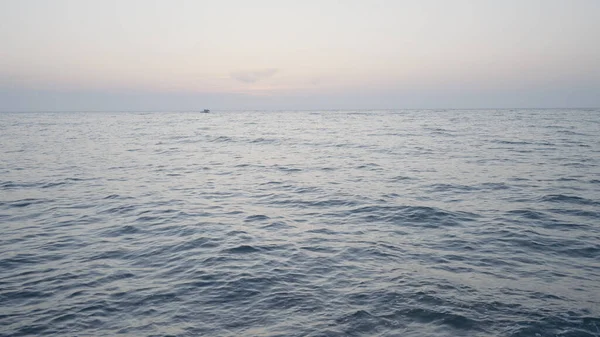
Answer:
(300, 223)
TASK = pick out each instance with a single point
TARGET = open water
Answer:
(291, 223)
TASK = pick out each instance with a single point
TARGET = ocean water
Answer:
(292, 223)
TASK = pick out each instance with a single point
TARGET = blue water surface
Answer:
(300, 223)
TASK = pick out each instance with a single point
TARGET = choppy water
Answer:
(338, 223)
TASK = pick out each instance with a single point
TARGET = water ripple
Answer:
(340, 223)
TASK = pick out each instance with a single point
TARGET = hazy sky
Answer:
(277, 54)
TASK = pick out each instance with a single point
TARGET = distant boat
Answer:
(205, 111)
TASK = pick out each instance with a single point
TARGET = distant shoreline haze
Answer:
(19, 100)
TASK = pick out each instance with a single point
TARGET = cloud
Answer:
(315, 81)
(254, 76)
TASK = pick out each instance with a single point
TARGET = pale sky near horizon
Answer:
(233, 54)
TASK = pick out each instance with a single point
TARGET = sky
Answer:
(148, 55)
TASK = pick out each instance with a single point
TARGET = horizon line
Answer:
(298, 110)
